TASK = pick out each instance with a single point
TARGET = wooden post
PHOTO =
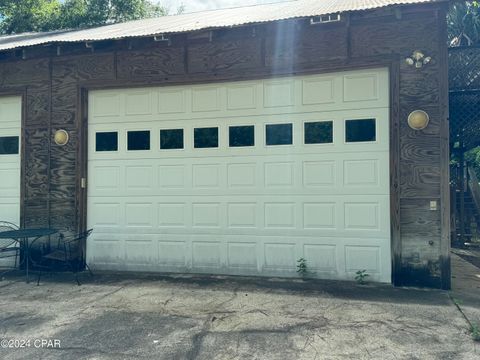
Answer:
(461, 185)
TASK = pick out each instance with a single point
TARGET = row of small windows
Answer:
(363, 130)
(239, 136)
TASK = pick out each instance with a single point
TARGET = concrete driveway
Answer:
(155, 317)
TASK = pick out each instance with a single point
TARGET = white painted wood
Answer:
(252, 210)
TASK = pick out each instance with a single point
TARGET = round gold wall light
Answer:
(418, 120)
(61, 137)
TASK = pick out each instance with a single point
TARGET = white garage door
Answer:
(243, 177)
(10, 128)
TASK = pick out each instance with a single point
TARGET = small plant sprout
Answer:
(475, 332)
(457, 302)
(361, 277)
(302, 269)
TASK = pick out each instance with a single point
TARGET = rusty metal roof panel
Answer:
(201, 21)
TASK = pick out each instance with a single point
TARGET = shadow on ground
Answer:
(143, 316)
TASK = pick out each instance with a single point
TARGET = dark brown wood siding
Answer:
(55, 87)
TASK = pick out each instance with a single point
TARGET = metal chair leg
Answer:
(74, 266)
(89, 270)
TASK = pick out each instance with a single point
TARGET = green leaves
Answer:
(463, 22)
(361, 277)
(28, 15)
(473, 159)
(45, 15)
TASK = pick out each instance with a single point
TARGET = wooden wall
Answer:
(54, 82)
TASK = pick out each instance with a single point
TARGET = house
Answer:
(238, 141)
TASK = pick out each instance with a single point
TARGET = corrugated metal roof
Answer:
(202, 21)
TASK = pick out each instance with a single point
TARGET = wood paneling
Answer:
(289, 44)
(445, 267)
(26, 72)
(36, 163)
(151, 63)
(235, 55)
(56, 92)
(38, 105)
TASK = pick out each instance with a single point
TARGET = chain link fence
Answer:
(464, 84)
(464, 103)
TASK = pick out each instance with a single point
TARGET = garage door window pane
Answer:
(279, 134)
(9, 145)
(241, 136)
(106, 141)
(171, 139)
(138, 140)
(320, 132)
(360, 130)
(205, 138)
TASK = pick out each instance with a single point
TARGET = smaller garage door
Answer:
(243, 177)
(10, 128)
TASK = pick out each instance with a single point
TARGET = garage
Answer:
(238, 141)
(242, 178)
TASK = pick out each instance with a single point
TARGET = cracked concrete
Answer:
(466, 285)
(135, 316)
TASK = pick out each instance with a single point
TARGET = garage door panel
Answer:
(321, 257)
(280, 256)
(298, 121)
(106, 178)
(206, 98)
(242, 215)
(172, 253)
(250, 209)
(10, 112)
(207, 215)
(106, 250)
(105, 104)
(206, 254)
(106, 214)
(364, 173)
(358, 258)
(139, 214)
(242, 96)
(363, 90)
(361, 87)
(172, 177)
(298, 215)
(171, 101)
(243, 255)
(207, 175)
(140, 252)
(139, 102)
(10, 210)
(235, 254)
(242, 175)
(319, 91)
(279, 174)
(173, 214)
(10, 176)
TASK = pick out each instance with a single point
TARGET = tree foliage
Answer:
(464, 23)
(473, 159)
(19, 16)
(28, 15)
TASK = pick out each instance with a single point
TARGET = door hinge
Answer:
(83, 183)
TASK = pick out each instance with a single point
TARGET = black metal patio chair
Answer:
(9, 249)
(67, 255)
